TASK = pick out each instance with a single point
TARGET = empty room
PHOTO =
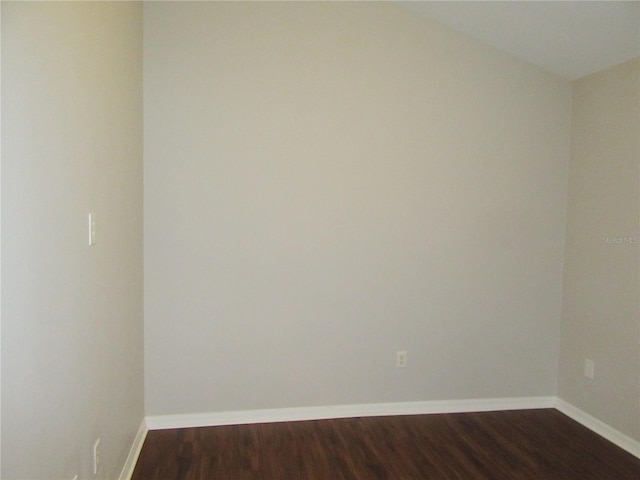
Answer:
(320, 240)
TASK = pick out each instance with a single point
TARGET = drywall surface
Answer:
(601, 313)
(329, 183)
(72, 363)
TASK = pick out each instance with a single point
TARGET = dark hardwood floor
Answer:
(512, 445)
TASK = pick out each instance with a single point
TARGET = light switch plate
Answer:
(92, 229)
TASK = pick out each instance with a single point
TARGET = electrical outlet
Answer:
(589, 368)
(401, 359)
(96, 457)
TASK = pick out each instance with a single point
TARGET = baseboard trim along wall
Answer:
(613, 435)
(134, 452)
(160, 422)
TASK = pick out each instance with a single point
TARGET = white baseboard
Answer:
(615, 436)
(209, 419)
(134, 452)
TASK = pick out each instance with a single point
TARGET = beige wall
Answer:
(326, 184)
(71, 314)
(601, 318)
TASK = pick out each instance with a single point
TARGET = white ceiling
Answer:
(570, 38)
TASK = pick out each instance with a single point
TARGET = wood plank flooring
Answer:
(512, 445)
